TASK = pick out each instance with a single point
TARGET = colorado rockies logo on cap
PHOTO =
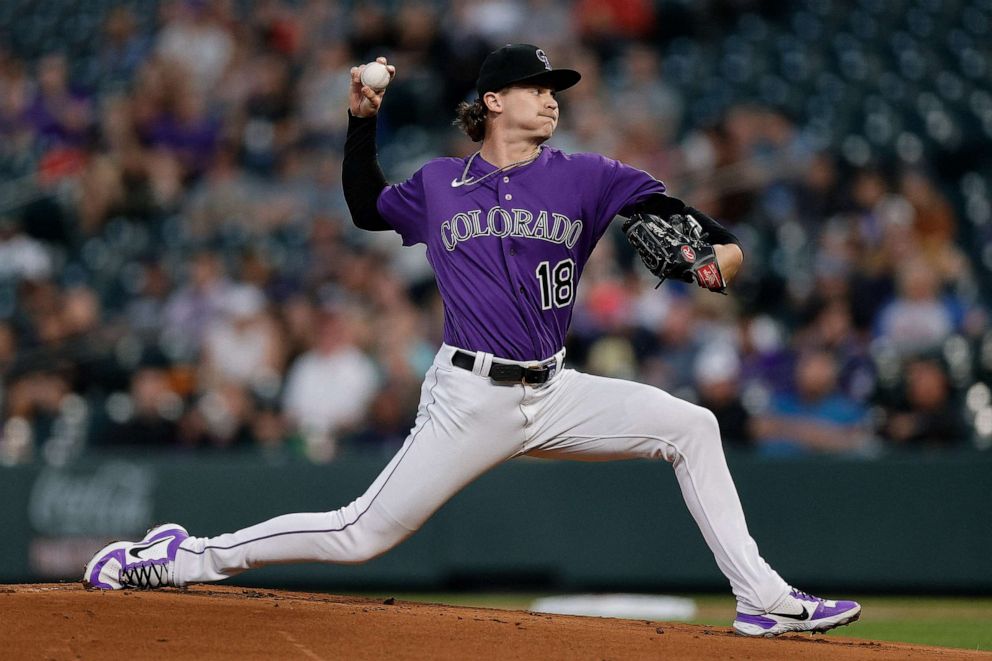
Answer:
(689, 254)
(543, 58)
(521, 64)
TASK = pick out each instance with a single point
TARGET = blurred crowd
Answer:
(178, 269)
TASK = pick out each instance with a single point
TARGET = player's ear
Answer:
(493, 102)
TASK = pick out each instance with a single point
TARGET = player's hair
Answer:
(471, 118)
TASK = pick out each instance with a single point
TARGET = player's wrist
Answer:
(730, 258)
(364, 111)
(354, 119)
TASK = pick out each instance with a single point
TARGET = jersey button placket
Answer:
(511, 251)
(503, 189)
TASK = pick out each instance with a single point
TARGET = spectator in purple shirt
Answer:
(59, 115)
(187, 131)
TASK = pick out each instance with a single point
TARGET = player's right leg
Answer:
(591, 418)
(464, 426)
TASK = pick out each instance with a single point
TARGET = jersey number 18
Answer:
(556, 283)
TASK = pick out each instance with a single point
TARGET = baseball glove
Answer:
(675, 247)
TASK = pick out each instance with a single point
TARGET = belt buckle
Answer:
(548, 369)
(518, 373)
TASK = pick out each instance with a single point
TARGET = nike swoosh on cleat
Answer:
(794, 616)
(136, 552)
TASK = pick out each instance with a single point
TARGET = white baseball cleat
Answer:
(798, 611)
(149, 563)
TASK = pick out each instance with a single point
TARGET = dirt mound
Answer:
(67, 622)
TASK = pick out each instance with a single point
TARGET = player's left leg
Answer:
(465, 426)
(590, 418)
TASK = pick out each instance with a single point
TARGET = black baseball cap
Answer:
(516, 64)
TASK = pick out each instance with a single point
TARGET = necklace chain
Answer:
(465, 180)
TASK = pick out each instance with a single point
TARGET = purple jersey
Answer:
(509, 250)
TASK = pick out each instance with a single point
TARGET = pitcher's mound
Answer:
(67, 622)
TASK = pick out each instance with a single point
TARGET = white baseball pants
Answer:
(466, 425)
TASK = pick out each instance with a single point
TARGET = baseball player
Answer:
(508, 231)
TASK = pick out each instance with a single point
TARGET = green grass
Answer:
(948, 622)
(942, 621)
(969, 634)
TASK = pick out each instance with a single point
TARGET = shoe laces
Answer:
(145, 575)
(799, 594)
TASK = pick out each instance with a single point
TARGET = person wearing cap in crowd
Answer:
(717, 372)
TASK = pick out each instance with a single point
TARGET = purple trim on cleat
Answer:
(144, 564)
(798, 611)
(165, 532)
(177, 533)
(758, 620)
(93, 579)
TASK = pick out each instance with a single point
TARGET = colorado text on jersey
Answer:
(502, 222)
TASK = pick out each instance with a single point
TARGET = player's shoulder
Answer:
(582, 159)
(438, 169)
(443, 164)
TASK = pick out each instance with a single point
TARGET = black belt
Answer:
(503, 373)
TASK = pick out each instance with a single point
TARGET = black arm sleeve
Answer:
(361, 175)
(664, 205)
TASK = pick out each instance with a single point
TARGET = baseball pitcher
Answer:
(508, 231)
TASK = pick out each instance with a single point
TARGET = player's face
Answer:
(530, 109)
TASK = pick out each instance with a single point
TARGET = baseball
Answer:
(376, 76)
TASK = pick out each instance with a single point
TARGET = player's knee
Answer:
(377, 539)
(703, 427)
(368, 547)
(360, 539)
(710, 424)
(364, 553)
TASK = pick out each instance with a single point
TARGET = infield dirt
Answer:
(65, 621)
